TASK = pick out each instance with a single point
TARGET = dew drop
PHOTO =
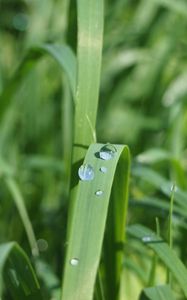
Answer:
(103, 169)
(86, 172)
(99, 193)
(20, 22)
(107, 152)
(74, 262)
(146, 239)
(42, 245)
(173, 188)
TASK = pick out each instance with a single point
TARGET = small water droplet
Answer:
(74, 262)
(42, 245)
(103, 169)
(146, 239)
(99, 193)
(86, 172)
(107, 152)
(20, 21)
(173, 188)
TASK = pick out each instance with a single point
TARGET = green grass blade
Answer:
(164, 252)
(90, 40)
(161, 183)
(49, 278)
(62, 54)
(162, 292)
(170, 227)
(152, 275)
(160, 205)
(170, 231)
(87, 223)
(67, 134)
(19, 202)
(17, 273)
(115, 232)
(66, 59)
(179, 7)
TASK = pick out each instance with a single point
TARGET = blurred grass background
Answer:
(142, 103)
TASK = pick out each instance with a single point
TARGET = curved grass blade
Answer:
(42, 162)
(90, 41)
(17, 273)
(164, 252)
(161, 292)
(115, 233)
(62, 54)
(88, 221)
(161, 183)
(19, 202)
(158, 206)
(154, 263)
(132, 267)
(50, 280)
(179, 7)
(66, 59)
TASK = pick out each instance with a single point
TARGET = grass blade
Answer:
(66, 59)
(179, 7)
(161, 292)
(17, 273)
(152, 275)
(161, 183)
(170, 228)
(164, 252)
(115, 232)
(87, 223)
(61, 53)
(90, 40)
(19, 202)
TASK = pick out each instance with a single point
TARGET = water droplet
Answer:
(42, 245)
(99, 193)
(86, 172)
(20, 22)
(74, 262)
(146, 239)
(107, 152)
(173, 188)
(103, 169)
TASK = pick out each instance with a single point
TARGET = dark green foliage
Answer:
(142, 104)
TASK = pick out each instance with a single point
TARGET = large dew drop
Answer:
(74, 262)
(86, 172)
(107, 152)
